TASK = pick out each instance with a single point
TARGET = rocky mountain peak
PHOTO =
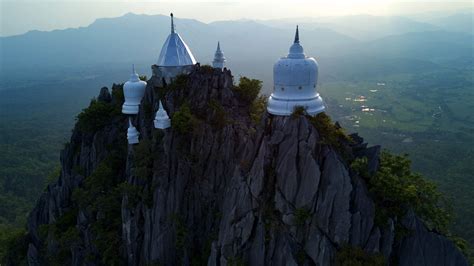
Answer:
(217, 188)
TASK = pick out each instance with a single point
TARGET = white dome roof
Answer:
(175, 52)
(133, 91)
(295, 78)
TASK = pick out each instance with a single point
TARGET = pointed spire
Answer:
(130, 122)
(219, 59)
(297, 35)
(134, 76)
(172, 23)
(162, 120)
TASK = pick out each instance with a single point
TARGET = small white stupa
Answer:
(133, 91)
(295, 78)
(162, 120)
(219, 59)
(132, 133)
(175, 57)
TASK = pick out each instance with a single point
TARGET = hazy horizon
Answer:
(19, 17)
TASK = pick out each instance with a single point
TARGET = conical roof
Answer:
(161, 113)
(175, 52)
(219, 55)
(162, 120)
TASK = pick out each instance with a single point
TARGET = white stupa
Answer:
(295, 78)
(132, 133)
(162, 120)
(133, 91)
(175, 57)
(219, 59)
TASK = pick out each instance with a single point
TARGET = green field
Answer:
(428, 116)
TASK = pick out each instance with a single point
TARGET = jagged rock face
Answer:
(267, 194)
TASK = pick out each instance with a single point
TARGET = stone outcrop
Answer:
(224, 194)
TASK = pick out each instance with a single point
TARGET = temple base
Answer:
(130, 109)
(168, 73)
(162, 124)
(285, 107)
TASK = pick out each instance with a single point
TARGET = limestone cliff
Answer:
(217, 189)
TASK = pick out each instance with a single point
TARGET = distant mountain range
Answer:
(250, 46)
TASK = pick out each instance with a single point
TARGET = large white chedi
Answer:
(175, 57)
(133, 91)
(295, 78)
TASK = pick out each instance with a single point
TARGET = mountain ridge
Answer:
(217, 188)
(138, 35)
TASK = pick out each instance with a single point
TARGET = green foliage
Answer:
(96, 116)
(143, 159)
(207, 69)
(143, 169)
(13, 209)
(464, 247)
(143, 78)
(13, 245)
(117, 95)
(183, 120)
(53, 176)
(298, 111)
(301, 216)
(258, 108)
(219, 116)
(101, 195)
(179, 82)
(132, 191)
(360, 166)
(103, 176)
(65, 233)
(63, 223)
(355, 256)
(396, 188)
(300, 256)
(329, 133)
(248, 89)
(181, 233)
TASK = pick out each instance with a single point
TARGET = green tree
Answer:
(248, 89)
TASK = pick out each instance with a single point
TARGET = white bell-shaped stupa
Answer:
(162, 120)
(295, 78)
(132, 133)
(219, 59)
(175, 57)
(133, 91)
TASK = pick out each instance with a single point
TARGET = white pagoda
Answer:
(162, 120)
(133, 91)
(132, 133)
(295, 78)
(219, 59)
(175, 57)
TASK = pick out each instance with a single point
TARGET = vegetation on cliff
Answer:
(394, 188)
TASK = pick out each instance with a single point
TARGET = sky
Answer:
(20, 16)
